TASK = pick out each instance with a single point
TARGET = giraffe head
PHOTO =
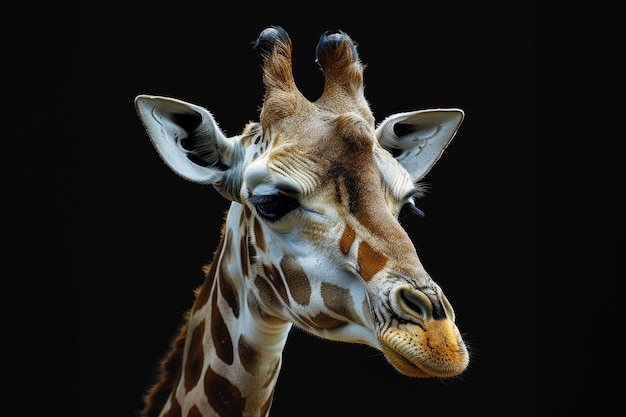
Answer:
(320, 189)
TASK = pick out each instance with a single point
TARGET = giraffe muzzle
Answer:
(421, 339)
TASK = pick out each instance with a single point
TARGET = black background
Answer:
(102, 244)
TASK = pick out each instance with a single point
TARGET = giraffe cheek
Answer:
(339, 300)
(297, 280)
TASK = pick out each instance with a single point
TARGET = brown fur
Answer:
(171, 366)
(169, 376)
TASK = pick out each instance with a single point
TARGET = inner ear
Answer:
(405, 129)
(417, 139)
(188, 121)
(400, 130)
(187, 137)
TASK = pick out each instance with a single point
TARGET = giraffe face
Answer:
(320, 188)
(331, 254)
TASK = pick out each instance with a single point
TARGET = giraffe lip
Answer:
(432, 351)
(403, 365)
(411, 369)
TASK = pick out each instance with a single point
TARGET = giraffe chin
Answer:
(436, 352)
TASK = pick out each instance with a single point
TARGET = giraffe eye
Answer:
(273, 207)
(410, 208)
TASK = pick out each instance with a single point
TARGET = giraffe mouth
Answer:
(436, 350)
(404, 366)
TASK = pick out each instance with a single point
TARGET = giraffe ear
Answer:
(417, 139)
(186, 137)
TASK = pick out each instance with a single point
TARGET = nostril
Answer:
(448, 311)
(438, 312)
(415, 303)
(419, 305)
(412, 303)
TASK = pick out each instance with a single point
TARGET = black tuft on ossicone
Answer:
(268, 37)
(329, 41)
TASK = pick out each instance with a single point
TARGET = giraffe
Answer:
(312, 236)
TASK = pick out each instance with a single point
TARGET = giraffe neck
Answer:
(232, 351)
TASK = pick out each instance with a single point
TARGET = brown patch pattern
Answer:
(248, 355)
(266, 292)
(297, 280)
(194, 412)
(243, 250)
(259, 238)
(324, 321)
(370, 261)
(347, 238)
(224, 397)
(339, 300)
(175, 409)
(221, 335)
(278, 283)
(229, 293)
(195, 357)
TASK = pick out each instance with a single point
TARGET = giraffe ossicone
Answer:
(312, 236)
